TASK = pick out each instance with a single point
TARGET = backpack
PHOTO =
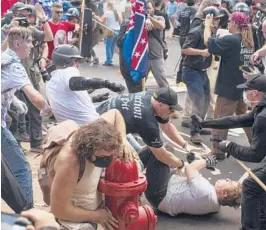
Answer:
(57, 136)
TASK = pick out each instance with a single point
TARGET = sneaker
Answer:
(186, 123)
(196, 139)
(205, 132)
(96, 61)
(107, 64)
(24, 137)
(36, 150)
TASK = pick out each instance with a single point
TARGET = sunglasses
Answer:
(59, 12)
(171, 109)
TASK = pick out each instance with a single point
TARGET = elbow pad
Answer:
(83, 83)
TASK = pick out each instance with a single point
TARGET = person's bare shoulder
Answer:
(67, 158)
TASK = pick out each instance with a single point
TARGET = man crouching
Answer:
(74, 198)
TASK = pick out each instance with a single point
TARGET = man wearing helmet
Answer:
(196, 62)
(66, 90)
(229, 100)
(73, 17)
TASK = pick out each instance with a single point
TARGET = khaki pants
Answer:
(225, 107)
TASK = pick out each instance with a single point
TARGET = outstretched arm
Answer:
(83, 83)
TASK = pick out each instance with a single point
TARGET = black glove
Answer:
(223, 147)
(216, 139)
(100, 97)
(118, 88)
(211, 162)
(196, 122)
(190, 157)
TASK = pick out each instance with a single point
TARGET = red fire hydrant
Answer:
(122, 185)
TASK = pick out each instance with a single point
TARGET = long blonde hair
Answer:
(247, 38)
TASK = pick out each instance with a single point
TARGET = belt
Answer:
(201, 70)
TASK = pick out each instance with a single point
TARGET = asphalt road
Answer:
(227, 218)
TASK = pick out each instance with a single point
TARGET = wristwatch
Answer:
(44, 21)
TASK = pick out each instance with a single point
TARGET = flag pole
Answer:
(252, 175)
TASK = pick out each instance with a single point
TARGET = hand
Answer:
(205, 53)
(46, 111)
(149, 24)
(255, 58)
(211, 162)
(14, 23)
(106, 219)
(208, 21)
(77, 28)
(40, 12)
(223, 146)
(127, 153)
(42, 63)
(191, 148)
(40, 218)
(118, 88)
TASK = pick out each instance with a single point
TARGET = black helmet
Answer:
(73, 12)
(212, 10)
(241, 7)
(64, 55)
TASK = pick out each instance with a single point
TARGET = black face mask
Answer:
(103, 162)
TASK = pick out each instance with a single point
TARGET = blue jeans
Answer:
(253, 204)
(110, 43)
(18, 164)
(198, 87)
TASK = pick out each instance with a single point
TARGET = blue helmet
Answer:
(73, 12)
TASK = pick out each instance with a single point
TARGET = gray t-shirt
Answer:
(155, 47)
(194, 197)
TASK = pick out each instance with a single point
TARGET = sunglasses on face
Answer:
(171, 109)
(216, 5)
(59, 12)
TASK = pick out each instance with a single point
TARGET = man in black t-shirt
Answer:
(196, 62)
(230, 99)
(145, 114)
(185, 17)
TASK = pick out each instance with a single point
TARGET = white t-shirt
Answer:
(195, 197)
(67, 104)
(13, 77)
(111, 21)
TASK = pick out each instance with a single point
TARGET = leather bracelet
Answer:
(183, 164)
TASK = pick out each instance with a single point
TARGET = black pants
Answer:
(10, 189)
(253, 206)
(158, 175)
(179, 72)
(34, 121)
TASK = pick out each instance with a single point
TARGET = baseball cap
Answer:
(17, 6)
(257, 82)
(167, 96)
(26, 7)
(212, 10)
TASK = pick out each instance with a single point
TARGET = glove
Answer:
(190, 157)
(196, 121)
(211, 162)
(118, 88)
(20, 106)
(100, 97)
(223, 147)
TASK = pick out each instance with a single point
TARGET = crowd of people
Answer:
(223, 44)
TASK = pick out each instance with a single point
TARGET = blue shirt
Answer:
(172, 7)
